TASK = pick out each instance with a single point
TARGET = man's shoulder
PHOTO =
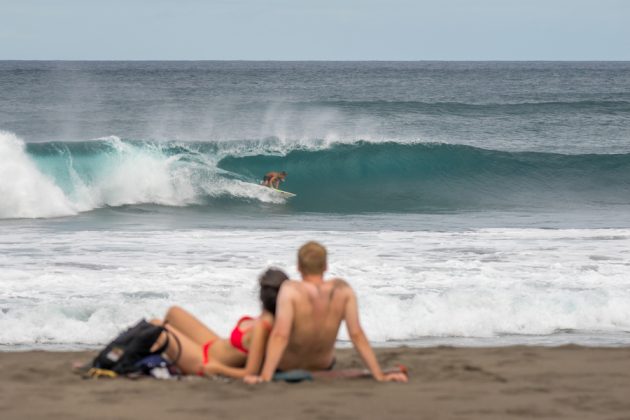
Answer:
(291, 286)
(339, 283)
(340, 287)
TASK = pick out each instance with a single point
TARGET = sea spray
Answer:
(354, 177)
(24, 190)
(63, 178)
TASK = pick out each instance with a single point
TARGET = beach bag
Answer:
(123, 354)
(158, 367)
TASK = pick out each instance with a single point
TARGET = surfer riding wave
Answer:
(273, 179)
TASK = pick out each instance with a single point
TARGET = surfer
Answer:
(273, 179)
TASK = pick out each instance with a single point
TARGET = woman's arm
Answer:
(217, 368)
(258, 344)
(279, 336)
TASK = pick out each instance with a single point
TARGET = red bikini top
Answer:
(236, 338)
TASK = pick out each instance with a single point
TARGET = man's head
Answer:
(283, 174)
(312, 259)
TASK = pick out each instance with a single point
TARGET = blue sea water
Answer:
(467, 202)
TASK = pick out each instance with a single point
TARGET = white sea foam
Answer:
(80, 287)
(132, 176)
(24, 190)
(128, 175)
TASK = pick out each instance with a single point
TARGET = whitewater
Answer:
(521, 285)
(466, 203)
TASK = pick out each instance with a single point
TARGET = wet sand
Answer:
(567, 382)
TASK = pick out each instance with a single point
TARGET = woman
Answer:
(199, 350)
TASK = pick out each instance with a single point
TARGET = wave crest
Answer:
(25, 190)
(426, 177)
(62, 178)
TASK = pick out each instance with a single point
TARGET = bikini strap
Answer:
(243, 319)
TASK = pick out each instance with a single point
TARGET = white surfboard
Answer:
(284, 193)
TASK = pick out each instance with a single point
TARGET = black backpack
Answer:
(123, 354)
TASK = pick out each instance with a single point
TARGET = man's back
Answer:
(318, 310)
(307, 319)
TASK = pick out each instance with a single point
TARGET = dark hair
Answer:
(270, 282)
(283, 172)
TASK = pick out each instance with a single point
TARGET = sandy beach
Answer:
(446, 383)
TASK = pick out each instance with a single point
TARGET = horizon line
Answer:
(331, 60)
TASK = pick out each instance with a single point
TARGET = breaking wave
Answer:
(63, 178)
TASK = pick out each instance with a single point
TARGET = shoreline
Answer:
(591, 339)
(445, 382)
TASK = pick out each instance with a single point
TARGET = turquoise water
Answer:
(360, 177)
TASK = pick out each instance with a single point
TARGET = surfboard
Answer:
(284, 193)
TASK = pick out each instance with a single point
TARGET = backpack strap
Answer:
(179, 349)
(166, 343)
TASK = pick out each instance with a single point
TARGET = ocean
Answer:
(468, 203)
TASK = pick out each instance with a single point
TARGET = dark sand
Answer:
(567, 382)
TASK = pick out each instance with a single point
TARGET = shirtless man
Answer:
(308, 317)
(273, 179)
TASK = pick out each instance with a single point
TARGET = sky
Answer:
(315, 30)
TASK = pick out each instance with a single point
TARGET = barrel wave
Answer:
(357, 177)
(363, 177)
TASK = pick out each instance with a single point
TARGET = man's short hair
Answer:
(312, 258)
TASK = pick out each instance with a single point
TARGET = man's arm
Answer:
(361, 343)
(279, 337)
